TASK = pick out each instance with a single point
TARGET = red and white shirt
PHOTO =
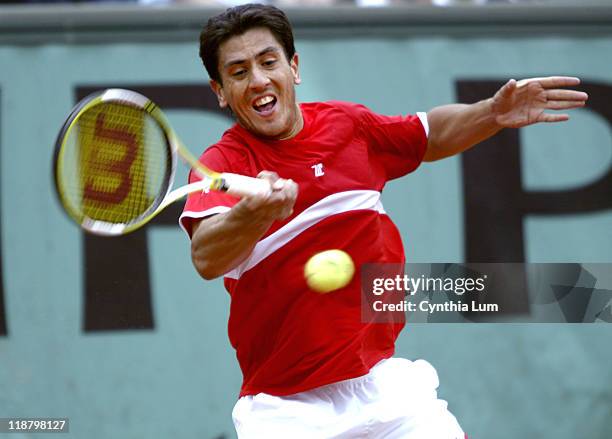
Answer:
(289, 339)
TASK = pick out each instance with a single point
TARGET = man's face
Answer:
(258, 84)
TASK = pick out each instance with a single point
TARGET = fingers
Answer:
(564, 105)
(549, 118)
(508, 88)
(271, 176)
(546, 94)
(566, 95)
(565, 99)
(551, 81)
(277, 205)
(290, 187)
(277, 183)
(524, 82)
(285, 197)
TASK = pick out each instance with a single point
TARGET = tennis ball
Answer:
(329, 270)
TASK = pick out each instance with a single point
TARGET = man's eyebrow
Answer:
(270, 49)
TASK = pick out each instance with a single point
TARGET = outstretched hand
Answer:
(522, 103)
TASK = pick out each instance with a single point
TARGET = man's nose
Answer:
(259, 79)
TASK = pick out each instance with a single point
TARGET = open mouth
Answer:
(265, 104)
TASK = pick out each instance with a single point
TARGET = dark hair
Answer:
(236, 21)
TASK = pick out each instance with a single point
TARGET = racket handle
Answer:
(242, 186)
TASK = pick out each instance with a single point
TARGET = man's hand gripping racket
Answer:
(115, 163)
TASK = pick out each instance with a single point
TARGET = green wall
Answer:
(180, 379)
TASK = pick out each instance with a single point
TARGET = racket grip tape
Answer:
(242, 186)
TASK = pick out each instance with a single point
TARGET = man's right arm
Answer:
(221, 242)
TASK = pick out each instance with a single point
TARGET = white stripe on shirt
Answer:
(203, 214)
(423, 118)
(331, 205)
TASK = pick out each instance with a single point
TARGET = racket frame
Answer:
(210, 179)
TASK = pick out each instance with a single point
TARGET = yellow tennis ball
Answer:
(329, 270)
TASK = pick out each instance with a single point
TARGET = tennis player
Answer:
(312, 368)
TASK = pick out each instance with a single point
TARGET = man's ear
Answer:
(295, 70)
(218, 89)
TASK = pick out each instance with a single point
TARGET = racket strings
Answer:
(116, 164)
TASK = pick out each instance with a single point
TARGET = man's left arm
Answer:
(457, 127)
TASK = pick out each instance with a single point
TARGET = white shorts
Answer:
(397, 399)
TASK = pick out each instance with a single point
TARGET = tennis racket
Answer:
(115, 162)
